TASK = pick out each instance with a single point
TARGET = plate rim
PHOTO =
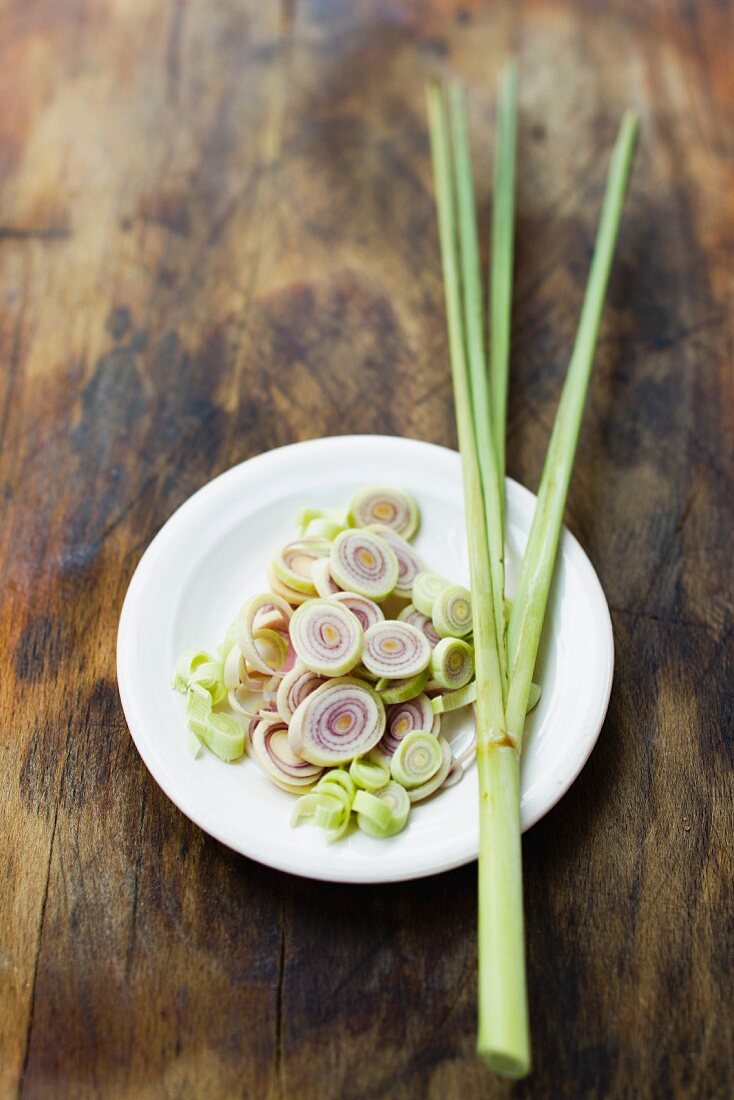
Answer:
(129, 699)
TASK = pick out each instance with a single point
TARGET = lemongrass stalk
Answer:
(473, 314)
(529, 606)
(501, 263)
(503, 1037)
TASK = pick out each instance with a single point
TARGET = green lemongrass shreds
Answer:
(187, 664)
(383, 813)
(531, 598)
(453, 700)
(452, 612)
(503, 1037)
(501, 262)
(222, 733)
(492, 482)
(452, 663)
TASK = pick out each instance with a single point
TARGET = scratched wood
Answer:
(217, 236)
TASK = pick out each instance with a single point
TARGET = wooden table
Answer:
(217, 236)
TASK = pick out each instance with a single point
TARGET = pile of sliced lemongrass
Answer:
(505, 658)
(335, 680)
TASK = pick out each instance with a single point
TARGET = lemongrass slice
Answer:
(426, 587)
(453, 700)
(209, 675)
(326, 810)
(270, 745)
(339, 778)
(416, 759)
(389, 507)
(452, 663)
(402, 719)
(323, 581)
(308, 516)
(369, 775)
(364, 563)
(233, 668)
(452, 612)
(293, 563)
(245, 626)
(400, 691)
(417, 794)
(187, 664)
(326, 637)
(370, 810)
(337, 722)
(367, 611)
(284, 591)
(409, 563)
(322, 528)
(436, 725)
(395, 649)
(244, 702)
(222, 733)
(293, 689)
(411, 614)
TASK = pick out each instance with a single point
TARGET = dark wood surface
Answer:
(217, 236)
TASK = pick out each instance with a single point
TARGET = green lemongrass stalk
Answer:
(492, 482)
(503, 1035)
(501, 262)
(529, 606)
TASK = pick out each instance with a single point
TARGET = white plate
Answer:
(212, 554)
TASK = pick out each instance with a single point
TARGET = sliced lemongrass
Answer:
(409, 562)
(453, 700)
(293, 689)
(411, 614)
(227, 642)
(403, 718)
(327, 637)
(322, 528)
(533, 696)
(337, 777)
(373, 820)
(400, 691)
(337, 722)
(284, 591)
(452, 663)
(209, 675)
(364, 563)
(426, 587)
(270, 746)
(369, 775)
(323, 581)
(367, 611)
(244, 702)
(292, 564)
(436, 725)
(456, 773)
(233, 668)
(390, 507)
(245, 626)
(187, 664)
(272, 646)
(307, 516)
(395, 649)
(452, 615)
(417, 794)
(416, 759)
(221, 733)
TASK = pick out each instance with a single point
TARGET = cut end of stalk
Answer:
(504, 1063)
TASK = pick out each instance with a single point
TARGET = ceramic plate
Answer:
(212, 554)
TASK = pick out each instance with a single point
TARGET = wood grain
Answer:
(217, 236)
